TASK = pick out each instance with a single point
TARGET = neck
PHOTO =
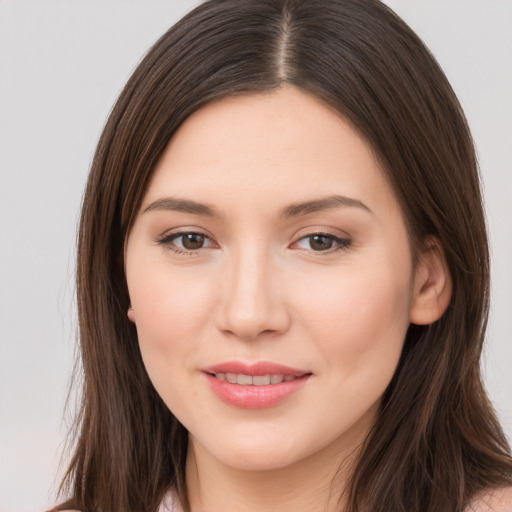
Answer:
(313, 484)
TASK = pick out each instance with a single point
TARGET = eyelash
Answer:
(341, 243)
(167, 241)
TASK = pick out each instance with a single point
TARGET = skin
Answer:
(258, 290)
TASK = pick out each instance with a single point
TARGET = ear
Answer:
(432, 284)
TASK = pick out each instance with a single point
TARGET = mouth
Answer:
(254, 380)
(255, 386)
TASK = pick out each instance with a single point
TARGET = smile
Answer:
(254, 380)
(254, 386)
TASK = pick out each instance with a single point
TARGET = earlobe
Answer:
(432, 285)
(131, 314)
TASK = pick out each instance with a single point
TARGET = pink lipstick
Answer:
(254, 386)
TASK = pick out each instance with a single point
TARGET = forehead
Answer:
(282, 146)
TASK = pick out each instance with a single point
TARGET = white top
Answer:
(170, 503)
(497, 500)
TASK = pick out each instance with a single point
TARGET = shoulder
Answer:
(66, 510)
(170, 503)
(493, 500)
(56, 509)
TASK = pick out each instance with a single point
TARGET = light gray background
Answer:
(62, 64)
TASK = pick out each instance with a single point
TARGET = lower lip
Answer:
(255, 397)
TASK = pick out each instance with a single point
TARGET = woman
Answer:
(283, 275)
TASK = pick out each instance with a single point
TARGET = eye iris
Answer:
(320, 242)
(192, 241)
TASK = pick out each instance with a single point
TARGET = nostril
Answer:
(258, 335)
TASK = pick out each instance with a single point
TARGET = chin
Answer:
(265, 460)
(256, 453)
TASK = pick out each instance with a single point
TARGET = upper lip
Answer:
(259, 368)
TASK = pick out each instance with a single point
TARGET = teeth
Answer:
(261, 380)
(231, 378)
(257, 380)
(244, 380)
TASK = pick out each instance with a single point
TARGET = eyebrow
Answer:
(182, 205)
(293, 210)
(323, 204)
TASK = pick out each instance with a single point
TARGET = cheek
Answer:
(169, 304)
(359, 318)
(172, 312)
(172, 309)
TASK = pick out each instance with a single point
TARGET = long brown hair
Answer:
(436, 441)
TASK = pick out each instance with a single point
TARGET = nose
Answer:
(253, 301)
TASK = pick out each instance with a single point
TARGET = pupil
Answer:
(193, 241)
(320, 242)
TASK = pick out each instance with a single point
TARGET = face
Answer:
(271, 280)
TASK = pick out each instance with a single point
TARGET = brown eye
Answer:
(186, 242)
(320, 242)
(192, 241)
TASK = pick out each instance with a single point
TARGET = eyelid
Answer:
(167, 239)
(342, 241)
